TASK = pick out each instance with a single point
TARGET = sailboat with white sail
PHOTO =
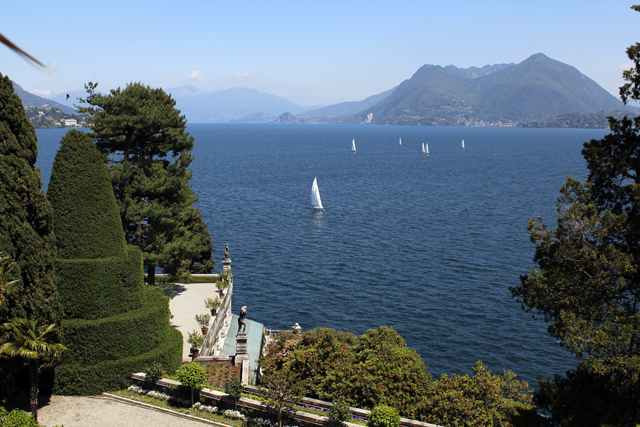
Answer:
(353, 145)
(401, 141)
(316, 203)
(462, 146)
(423, 149)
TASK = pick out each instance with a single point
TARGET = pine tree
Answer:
(149, 155)
(26, 227)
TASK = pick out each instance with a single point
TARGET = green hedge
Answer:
(94, 379)
(97, 288)
(127, 334)
(86, 217)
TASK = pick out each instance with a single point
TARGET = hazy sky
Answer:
(312, 52)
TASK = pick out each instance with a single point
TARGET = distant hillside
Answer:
(227, 105)
(537, 88)
(347, 108)
(31, 100)
(598, 120)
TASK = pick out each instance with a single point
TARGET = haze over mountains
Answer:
(502, 94)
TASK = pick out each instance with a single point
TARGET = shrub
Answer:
(192, 375)
(234, 388)
(18, 418)
(340, 411)
(384, 416)
(153, 372)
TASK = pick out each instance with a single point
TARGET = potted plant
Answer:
(203, 320)
(213, 304)
(196, 340)
(222, 285)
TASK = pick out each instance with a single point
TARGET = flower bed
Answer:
(218, 374)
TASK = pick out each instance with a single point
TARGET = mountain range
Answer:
(501, 94)
(537, 88)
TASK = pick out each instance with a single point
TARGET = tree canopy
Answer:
(148, 153)
(587, 285)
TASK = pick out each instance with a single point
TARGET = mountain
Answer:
(537, 88)
(226, 105)
(31, 100)
(347, 108)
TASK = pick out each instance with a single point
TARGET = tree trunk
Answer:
(151, 274)
(138, 232)
(33, 390)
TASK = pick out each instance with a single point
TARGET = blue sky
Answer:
(312, 52)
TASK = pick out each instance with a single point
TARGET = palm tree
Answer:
(8, 269)
(32, 341)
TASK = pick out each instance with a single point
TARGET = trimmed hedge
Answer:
(94, 379)
(128, 334)
(97, 288)
(86, 217)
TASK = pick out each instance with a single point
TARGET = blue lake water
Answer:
(428, 245)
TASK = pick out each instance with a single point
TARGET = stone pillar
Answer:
(242, 349)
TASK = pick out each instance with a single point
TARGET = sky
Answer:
(311, 52)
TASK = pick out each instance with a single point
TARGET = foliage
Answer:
(383, 416)
(33, 341)
(192, 375)
(234, 388)
(86, 216)
(203, 319)
(581, 398)
(91, 379)
(340, 411)
(219, 374)
(8, 270)
(153, 372)
(26, 221)
(196, 339)
(373, 369)
(222, 285)
(213, 303)
(149, 156)
(588, 283)
(282, 389)
(479, 400)
(17, 418)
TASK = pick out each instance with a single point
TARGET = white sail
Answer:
(400, 140)
(353, 145)
(423, 150)
(462, 146)
(427, 152)
(316, 203)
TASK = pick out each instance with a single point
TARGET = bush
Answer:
(18, 418)
(340, 411)
(384, 416)
(192, 375)
(153, 372)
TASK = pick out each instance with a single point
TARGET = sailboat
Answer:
(316, 203)
(462, 146)
(400, 141)
(353, 145)
(423, 150)
(427, 152)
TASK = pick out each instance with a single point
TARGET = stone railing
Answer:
(168, 386)
(219, 327)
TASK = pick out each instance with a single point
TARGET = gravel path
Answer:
(97, 411)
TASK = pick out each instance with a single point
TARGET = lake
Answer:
(426, 244)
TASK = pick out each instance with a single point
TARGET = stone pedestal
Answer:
(226, 264)
(242, 350)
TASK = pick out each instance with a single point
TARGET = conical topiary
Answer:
(86, 216)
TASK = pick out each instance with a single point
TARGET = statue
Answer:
(242, 326)
(226, 251)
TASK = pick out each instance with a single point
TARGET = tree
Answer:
(588, 283)
(192, 376)
(149, 152)
(26, 225)
(33, 341)
(282, 389)
(480, 400)
(8, 270)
